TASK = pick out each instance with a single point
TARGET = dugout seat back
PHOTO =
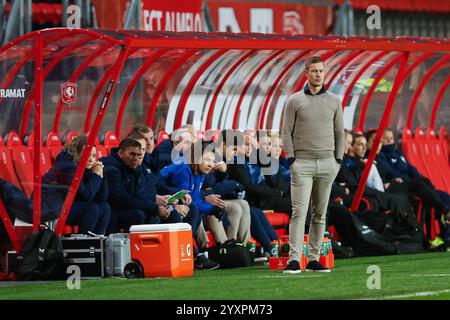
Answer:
(45, 158)
(7, 171)
(442, 166)
(53, 144)
(162, 136)
(109, 140)
(23, 166)
(444, 140)
(411, 150)
(429, 165)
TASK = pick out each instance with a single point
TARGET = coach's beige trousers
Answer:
(310, 178)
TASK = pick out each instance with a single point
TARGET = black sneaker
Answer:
(201, 262)
(315, 266)
(293, 267)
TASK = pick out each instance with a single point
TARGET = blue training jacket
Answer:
(181, 177)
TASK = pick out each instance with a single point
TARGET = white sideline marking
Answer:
(416, 294)
(431, 275)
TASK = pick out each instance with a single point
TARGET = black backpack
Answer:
(230, 254)
(41, 257)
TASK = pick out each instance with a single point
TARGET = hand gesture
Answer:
(215, 200)
(97, 168)
(181, 209)
(161, 200)
(163, 213)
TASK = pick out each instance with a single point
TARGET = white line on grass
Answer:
(412, 295)
(431, 275)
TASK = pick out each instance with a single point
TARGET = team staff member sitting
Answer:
(131, 200)
(90, 210)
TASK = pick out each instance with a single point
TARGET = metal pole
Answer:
(12, 21)
(2, 16)
(21, 22)
(65, 5)
(86, 16)
(130, 14)
(28, 20)
(139, 15)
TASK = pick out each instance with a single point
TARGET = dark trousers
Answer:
(192, 218)
(124, 219)
(261, 229)
(422, 188)
(89, 216)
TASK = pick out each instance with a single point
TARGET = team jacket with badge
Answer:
(394, 164)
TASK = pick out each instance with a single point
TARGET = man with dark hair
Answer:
(131, 201)
(313, 139)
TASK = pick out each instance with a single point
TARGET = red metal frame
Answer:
(190, 86)
(73, 78)
(380, 75)
(379, 134)
(437, 101)
(424, 81)
(359, 74)
(37, 146)
(48, 68)
(345, 61)
(90, 142)
(147, 63)
(262, 114)
(249, 82)
(220, 86)
(163, 83)
(98, 89)
(13, 236)
(410, 69)
(198, 41)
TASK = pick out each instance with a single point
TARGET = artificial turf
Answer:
(402, 277)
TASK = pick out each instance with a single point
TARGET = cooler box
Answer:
(163, 250)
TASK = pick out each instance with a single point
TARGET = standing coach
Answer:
(313, 139)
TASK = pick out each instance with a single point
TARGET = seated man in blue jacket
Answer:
(401, 176)
(132, 201)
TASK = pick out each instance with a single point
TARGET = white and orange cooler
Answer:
(163, 250)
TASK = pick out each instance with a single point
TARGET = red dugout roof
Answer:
(212, 80)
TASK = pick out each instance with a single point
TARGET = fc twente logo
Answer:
(68, 92)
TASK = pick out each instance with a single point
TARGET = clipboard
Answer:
(177, 196)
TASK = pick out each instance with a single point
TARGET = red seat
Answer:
(411, 150)
(68, 136)
(162, 136)
(279, 221)
(444, 141)
(429, 165)
(439, 158)
(21, 159)
(6, 165)
(109, 140)
(70, 229)
(53, 144)
(45, 158)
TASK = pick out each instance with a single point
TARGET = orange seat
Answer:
(279, 221)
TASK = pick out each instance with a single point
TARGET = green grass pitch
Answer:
(416, 276)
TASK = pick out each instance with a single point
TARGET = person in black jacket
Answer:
(131, 193)
(259, 193)
(90, 210)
